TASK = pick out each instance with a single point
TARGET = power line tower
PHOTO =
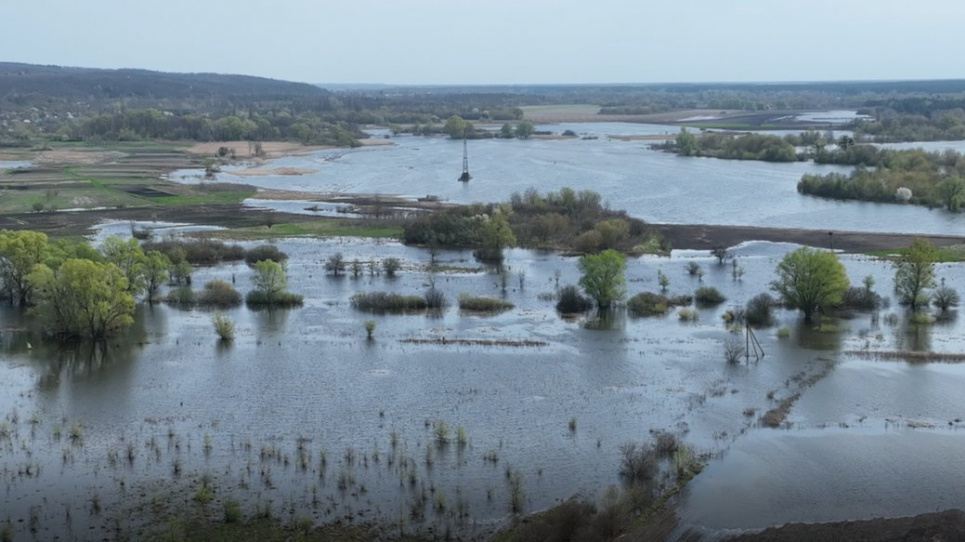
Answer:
(465, 161)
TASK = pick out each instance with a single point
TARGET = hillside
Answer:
(24, 80)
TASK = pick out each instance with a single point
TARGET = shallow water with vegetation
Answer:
(302, 415)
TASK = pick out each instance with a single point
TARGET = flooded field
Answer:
(303, 416)
(652, 185)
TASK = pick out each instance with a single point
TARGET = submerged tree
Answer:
(603, 278)
(129, 257)
(20, 251)
(810, 280)
(83, 298)
(915, 273)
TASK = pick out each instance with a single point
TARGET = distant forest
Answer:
(81, 104)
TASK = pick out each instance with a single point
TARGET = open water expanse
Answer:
(304, 416)
(648, 184)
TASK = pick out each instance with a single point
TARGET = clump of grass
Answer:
(461, 437)
(204, 495)
(232, 511)
(687, 314)
(491, 456)
(516, 491)
(708, 296)
(387, 302)
(264, 252)
(783, 332)
(572, 424)
(440, 431)
(483, 303)
(569, 300)
(76, 432)
(369, 328)
(223, 326)
(6, 532)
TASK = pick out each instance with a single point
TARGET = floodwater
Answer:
(652, 185)
(166, 405)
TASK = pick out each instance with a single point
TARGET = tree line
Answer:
(81, 292)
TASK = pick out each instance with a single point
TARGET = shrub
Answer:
(265, 252)
(649, 304)
(861, 299)
(783, 332)
(258, 298)
(223, 326)
(369, 328)
(687, 314)
(733, 350)
(571, 301)
(589, 242)
(335, 264)
(180, 296)
(218, 293)
(693, 268)
(945, 298)
(391, 266)
(758, 311)
(483, 303)
(708, 296)
(435, 299)
(638, 463)
(387, 302)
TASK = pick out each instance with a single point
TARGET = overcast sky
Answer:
(497, 41)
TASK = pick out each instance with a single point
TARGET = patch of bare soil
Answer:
(255, 172)
(944, 526)
(246, 149)
(72, 156)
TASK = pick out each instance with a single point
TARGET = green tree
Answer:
(82, 298)
(270, 280)
(810, 280)
(603, 278)
(20, 251)
(525, 129)
(129, 257)
(686, 143)
(456, 127)
(156, 267)
(915, 272)
(506, 132)
(951, 192)
(494, 235)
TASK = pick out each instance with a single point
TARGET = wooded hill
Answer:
(21, 81)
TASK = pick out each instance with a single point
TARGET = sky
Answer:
(497, 41)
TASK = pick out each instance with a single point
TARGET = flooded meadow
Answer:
(455, 422)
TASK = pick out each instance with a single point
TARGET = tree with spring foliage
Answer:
(82, 298)
(810, 280)
(20, 251)
(915, 273)
(603, 277)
